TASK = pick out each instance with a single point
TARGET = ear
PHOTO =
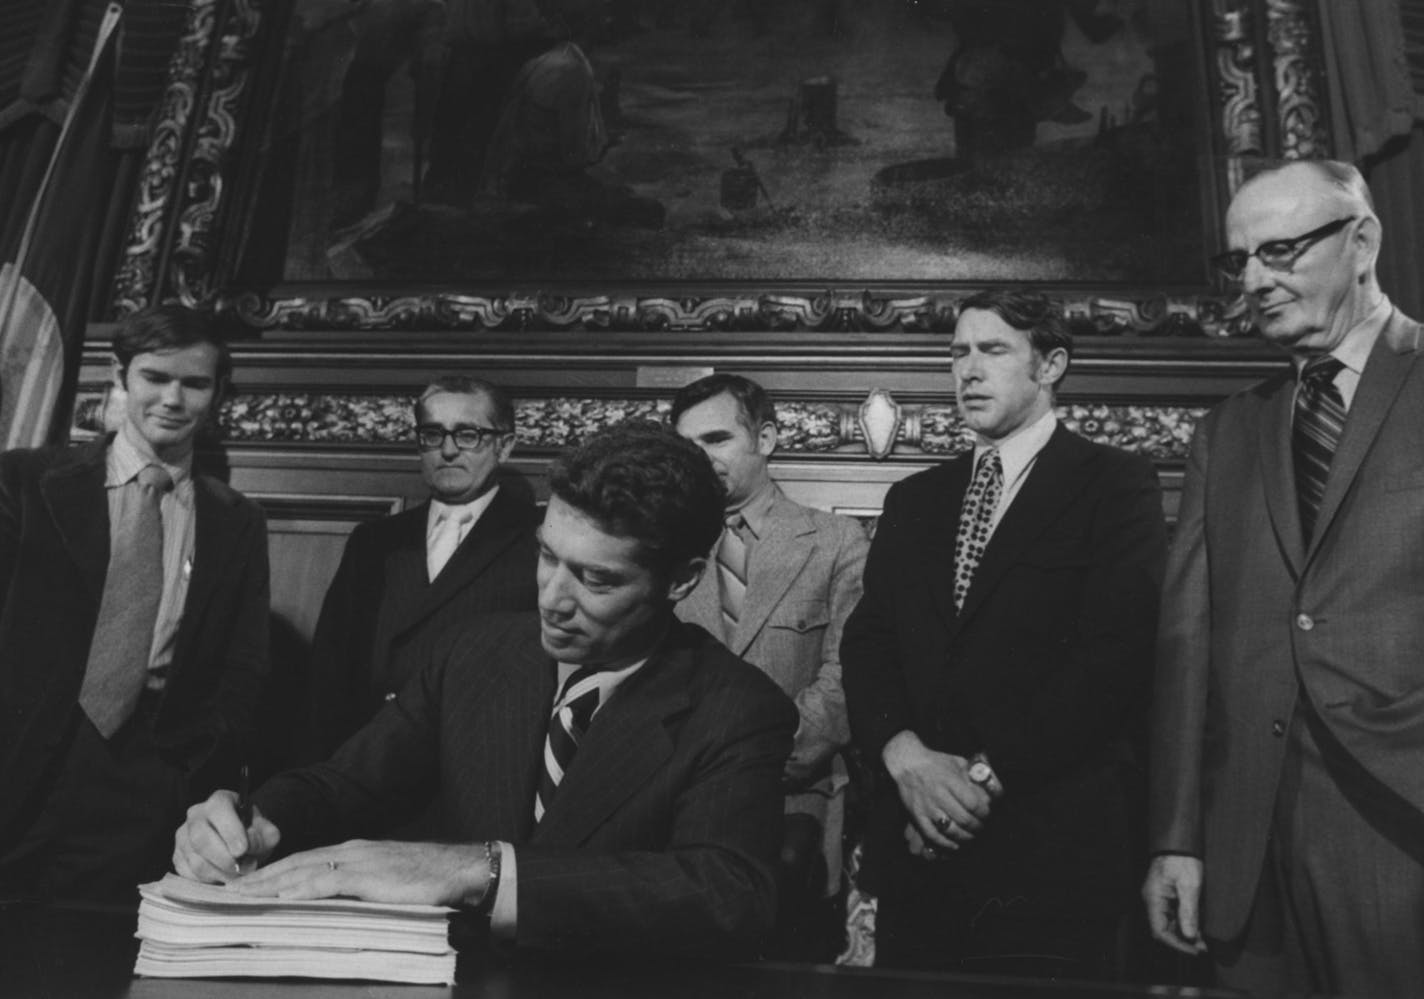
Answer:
(766, 439)
(685, 577)
(1053, 366)
(506, 448)
(1366, 241)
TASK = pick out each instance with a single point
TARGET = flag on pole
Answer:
(32, 350)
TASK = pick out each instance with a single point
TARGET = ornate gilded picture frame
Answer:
(803, 165)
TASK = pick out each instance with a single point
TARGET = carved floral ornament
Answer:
(172, 247)
(878, 426)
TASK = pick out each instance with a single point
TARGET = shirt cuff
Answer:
(504, 915)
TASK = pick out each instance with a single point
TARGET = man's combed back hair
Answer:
(1345, 178)
(1032, 312)
(755, 405)
(500, 405)
(168, 327)
(640, 480)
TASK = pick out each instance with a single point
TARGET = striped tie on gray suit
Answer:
(1319, 421)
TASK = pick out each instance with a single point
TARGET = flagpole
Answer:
(12, 281)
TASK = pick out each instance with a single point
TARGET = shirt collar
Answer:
(1354, 347)
(130, 454)
(1018, 450)
(608, 680)
(756, 511)
(475, 508)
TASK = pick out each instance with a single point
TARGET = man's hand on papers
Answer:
(212, 845)
(378, 871)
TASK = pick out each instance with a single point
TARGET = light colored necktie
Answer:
(975, 516)
(444, 539)
(572, 713)
(1319, 421)
(128, 610)
(732, 572)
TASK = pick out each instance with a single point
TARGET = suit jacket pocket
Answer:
(802, 616)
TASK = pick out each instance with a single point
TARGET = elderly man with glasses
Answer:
(405, 580)
(1287, 800)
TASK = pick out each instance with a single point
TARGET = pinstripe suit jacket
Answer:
(382, 616)
(665, 830)
(1252, 618)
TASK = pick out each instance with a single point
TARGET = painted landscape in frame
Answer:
(762, 141)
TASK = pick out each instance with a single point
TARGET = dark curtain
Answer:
(1374, 62)
(45, 46)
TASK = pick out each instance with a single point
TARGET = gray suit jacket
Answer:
(803, 580)
(1251, 617)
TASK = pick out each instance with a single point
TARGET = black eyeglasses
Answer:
(431, 436)
(1277, 254)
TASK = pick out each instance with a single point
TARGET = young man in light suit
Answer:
(796, 580)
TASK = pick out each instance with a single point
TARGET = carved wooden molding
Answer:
(1163, 432)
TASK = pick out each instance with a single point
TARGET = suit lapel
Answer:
(1389, 364)
(776, 561)
(214, 539)
(495, 531)
(404, 577)
(624, 747)
(1273, 450)
(1058, 474)
(74, 493)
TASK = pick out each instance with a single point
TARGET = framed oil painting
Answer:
(763, 165)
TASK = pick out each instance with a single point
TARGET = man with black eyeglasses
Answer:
(1287, 802)
(405, 580)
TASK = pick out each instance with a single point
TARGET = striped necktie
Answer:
(572, 712)
(732, 573)
(128, 609)
(1319, 421)
(975, 516)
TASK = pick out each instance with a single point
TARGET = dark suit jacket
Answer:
(382, 617)
(1046, 668)
(1251, 617)
(54, 550)
(664, 832)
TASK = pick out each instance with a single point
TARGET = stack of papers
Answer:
(192, 930)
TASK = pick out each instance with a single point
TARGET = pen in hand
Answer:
(244, 813)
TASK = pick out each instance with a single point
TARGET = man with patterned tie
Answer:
(786, 577)
(609, 776)
(997, 667)
(405, 580)
(133, 627)
(1287, 796)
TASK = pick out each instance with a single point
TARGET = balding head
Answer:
(1306, 293)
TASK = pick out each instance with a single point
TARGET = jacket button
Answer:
(390, 695)
(1278, 728)
(1304, 622)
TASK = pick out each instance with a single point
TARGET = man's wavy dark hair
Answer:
(640, 480)
(169, 327)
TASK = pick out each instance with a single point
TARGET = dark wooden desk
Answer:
(78, 953)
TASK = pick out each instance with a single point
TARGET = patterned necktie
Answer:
(1319, 420)
(572, 712)
(128, 610)
(732, 573)
(444, 539)
(974, 518)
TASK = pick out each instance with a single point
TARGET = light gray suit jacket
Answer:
(803, 580)
(1251, 616)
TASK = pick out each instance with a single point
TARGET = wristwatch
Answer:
(981, 773)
